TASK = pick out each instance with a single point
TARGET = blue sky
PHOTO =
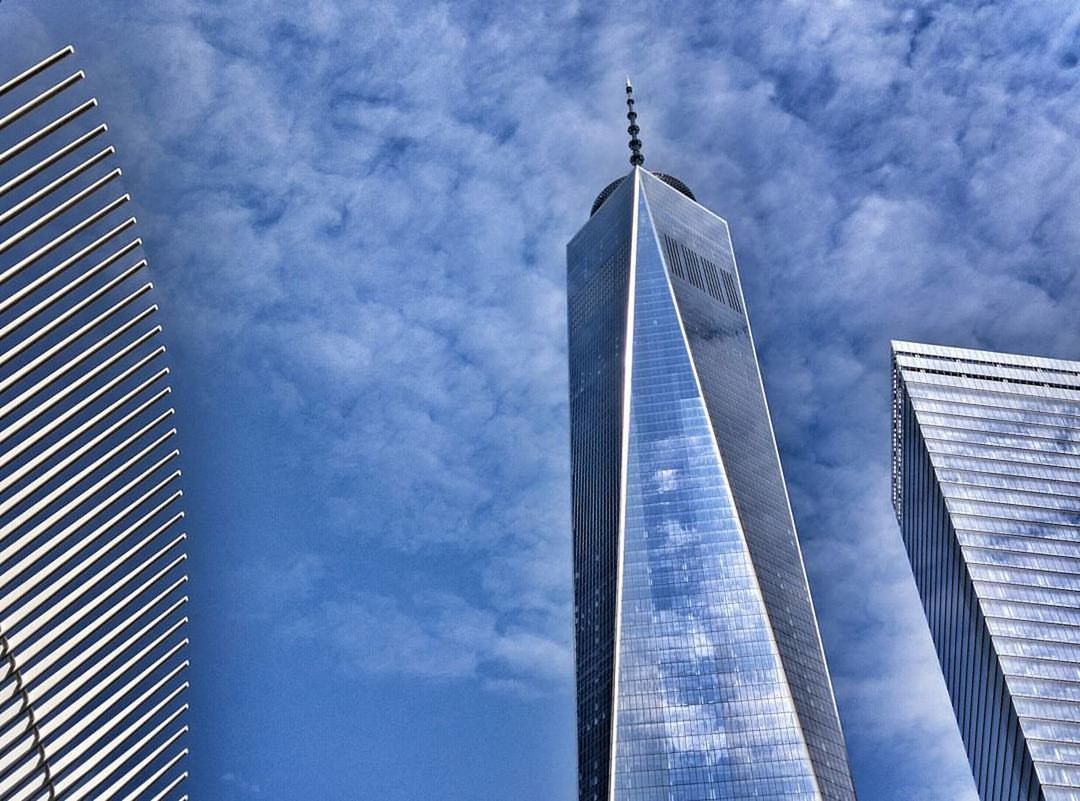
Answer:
(356, 216)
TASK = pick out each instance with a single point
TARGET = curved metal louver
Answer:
(92, 649)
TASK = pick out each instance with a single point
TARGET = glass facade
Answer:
(699, 665)
(986, 487)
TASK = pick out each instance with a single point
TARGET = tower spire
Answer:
(635, 144)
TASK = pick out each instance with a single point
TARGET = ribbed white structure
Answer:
(91, 552)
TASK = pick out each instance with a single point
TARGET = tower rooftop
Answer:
(670, 180)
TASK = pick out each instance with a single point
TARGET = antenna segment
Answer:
(635, 144)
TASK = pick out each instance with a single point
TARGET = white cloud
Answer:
(358, 213)
(236, 781)
(434, 635)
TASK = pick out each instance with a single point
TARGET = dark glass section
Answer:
(598, 267)
(605, 193)
(985, 712)
(703, 273)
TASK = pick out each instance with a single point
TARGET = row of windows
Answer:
(1026, 592)
(1060, 443)
(1062, 570)
(1002, 468)
(1023, 376)
(1004, 478)
(1016, 542)
(986, 391)
(948, 357)
(989, 406)
(1034, 612)
(1033, 424)
(1010, 453)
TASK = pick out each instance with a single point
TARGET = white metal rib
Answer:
(57, 241)
(55, 212)
(48, 275)
(23, 756)
(131, 774)
(65, 556)
(52, 659)
(82, 449)
(54, 723)
(23, 761)
(58, 466)
(8, 481)
(43, 331)
(44, 708)
(43, 132)
(14, 547)
(63, 763)
(78, 383)
(109, 769)
(31, 764)
(12, 721)
(10, 751)
(91, 564)
(41, 98)
(23, 746)
(38, 68)
(51, 159)
(45, 793)
(72, 363)
(74, 480)
(134, 796)
(64, 736)
(29, 652)
(76, 590)
(15, 595)
(15, 710)
(52, 186)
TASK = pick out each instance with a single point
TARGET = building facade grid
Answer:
(986, 486)
(700, 668)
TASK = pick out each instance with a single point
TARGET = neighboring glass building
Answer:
(986, 486)
(92, 648)
(700, 671)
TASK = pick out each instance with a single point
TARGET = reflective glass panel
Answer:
(987, 468)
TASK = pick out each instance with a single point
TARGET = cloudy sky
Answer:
(356, 215)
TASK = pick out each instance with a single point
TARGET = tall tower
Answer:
(986, 487)
(91, 559)
(700, 670)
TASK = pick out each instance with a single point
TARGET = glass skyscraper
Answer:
(700, 671)
(92, 647)
(986, 487)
